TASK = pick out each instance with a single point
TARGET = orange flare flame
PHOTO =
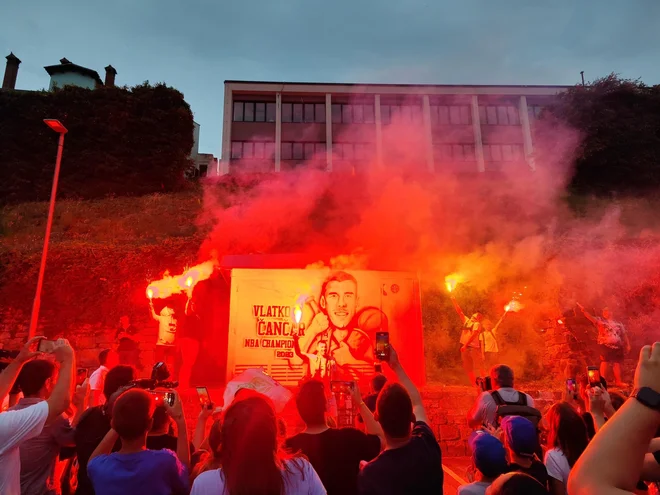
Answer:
(297, 314)
(452, 280)
(171, 285)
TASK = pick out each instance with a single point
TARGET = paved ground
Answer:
(455, 469)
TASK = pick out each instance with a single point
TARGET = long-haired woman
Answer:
(567, 439)
(251, 460)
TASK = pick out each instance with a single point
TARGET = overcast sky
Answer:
(195, 45)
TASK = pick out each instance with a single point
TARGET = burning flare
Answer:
(297, 314)
(513, 306)
(452, 280)
(170, 285)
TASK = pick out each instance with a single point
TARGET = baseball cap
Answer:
(488, 454)
(520, 434)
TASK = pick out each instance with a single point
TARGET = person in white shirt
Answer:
(484, 411)
(567, 439)
(21, 425)
(251, 459)
(108, 359)
(167, 325)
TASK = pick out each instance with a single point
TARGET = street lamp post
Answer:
(57, 126)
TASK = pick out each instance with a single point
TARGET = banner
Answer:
(341, 313)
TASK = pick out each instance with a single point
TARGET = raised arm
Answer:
(153, 312)
(613, 461)
(60, 398)
(415, 396)
(586, 314)
(371, 425)
(458, 309)
(10, 373)
(182, 442)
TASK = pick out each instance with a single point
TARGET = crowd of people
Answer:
(126, 440)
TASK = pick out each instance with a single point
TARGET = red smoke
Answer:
(501, 232)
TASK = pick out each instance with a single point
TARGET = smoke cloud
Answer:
(505, 232)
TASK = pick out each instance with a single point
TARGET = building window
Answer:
(271, 112)
(319, 113)
(249, 150)
(287, 112)
(503, 152)
(236, 150)
(454, 153)
(369, 114)
(347, 114)
(303, 112)
(301, 151)
(260, 112)
(450, 115)
(353, 114)
(287, 151)
(249, 111)
(499, 115)
(238, 111)
(297, 112)
(534, 111)
(353, 151)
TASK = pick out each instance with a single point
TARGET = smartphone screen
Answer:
(204, 398)
(571, 387)
(594, 376)
(46, 346)
(341, 387)
(382, 345)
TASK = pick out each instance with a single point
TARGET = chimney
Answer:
(11, 71)
(110, 74)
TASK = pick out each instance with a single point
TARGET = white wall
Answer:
(72, 79)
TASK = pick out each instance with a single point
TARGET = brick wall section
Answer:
(447, 408)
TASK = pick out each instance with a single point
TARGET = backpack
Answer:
(518, 408)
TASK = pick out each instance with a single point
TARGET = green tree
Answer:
(619, 124)
(121, 141)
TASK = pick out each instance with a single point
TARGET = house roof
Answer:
(66, 66)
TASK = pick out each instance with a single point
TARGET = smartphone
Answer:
(594, 376)
(204, 398)
(46, 346)
(341, 387)
(382, 346)
(571, 388)
(161, 397)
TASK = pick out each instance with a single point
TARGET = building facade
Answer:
(278, 126)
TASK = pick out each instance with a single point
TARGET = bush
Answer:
(121, 141)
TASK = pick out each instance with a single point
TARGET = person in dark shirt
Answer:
(127, 346)
(521, 442)
(412, 460)
(377, 384)
(95, 424)
(335, 454)
(160, 436)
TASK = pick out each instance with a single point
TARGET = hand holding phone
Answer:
(383, 346)
(204, 398)
(593, 374)
(46, 346)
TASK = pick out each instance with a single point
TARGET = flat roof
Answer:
(391, 85)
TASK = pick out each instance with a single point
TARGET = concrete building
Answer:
(276, 126)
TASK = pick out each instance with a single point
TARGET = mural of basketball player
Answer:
(335, 324)
(319, 365)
